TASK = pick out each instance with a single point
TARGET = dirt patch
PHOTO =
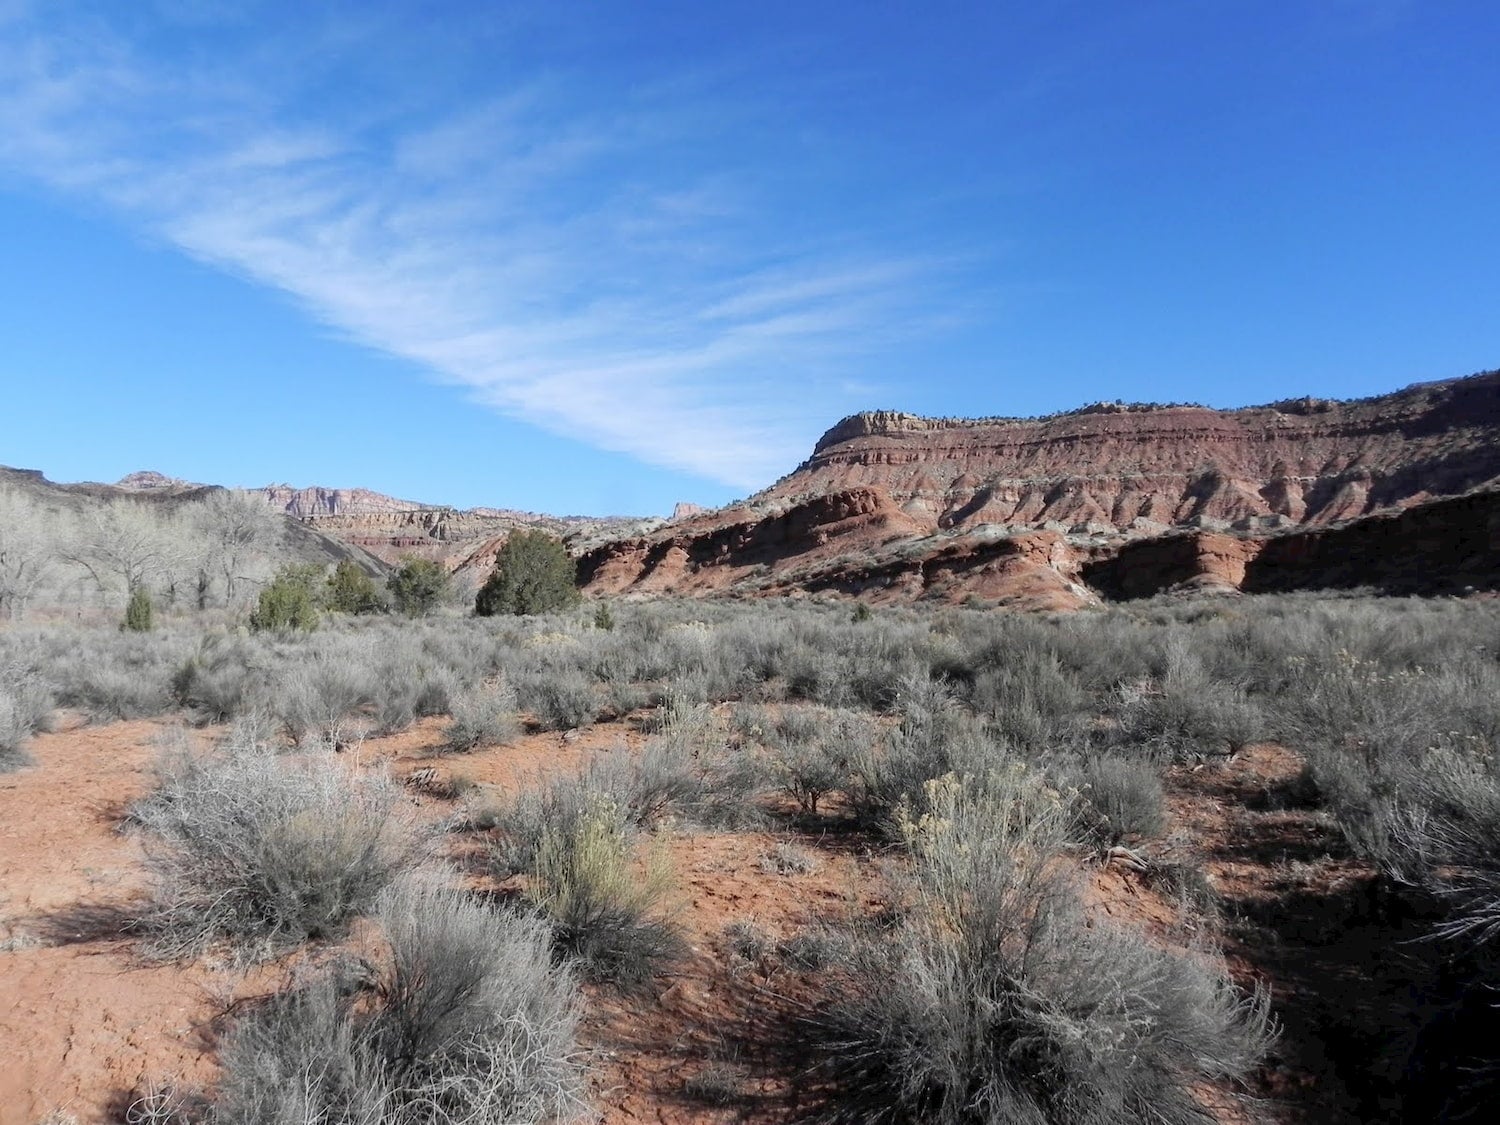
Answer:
(93, 1022)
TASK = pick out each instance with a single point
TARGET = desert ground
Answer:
(810, 857)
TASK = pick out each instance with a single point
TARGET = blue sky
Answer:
(598, 257)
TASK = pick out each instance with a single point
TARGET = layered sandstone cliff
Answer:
(393, 529)
(1110, 500)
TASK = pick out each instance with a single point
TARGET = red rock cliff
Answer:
(1136, 499)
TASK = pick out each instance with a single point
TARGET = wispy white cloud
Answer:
(525, 247)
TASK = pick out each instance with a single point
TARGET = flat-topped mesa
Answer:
(896, 506)
(1124, 467)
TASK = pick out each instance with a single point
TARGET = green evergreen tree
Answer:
(139, 613)
(533, 574)
(604, 617)
(290, 600)
(350, 590)
(418, 586)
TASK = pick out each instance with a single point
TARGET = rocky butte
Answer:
(1396, 493)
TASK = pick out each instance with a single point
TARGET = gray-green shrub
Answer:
(996, 1000)
(264, 851)
(471, 1022)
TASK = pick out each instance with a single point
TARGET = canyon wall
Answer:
(1110, 501)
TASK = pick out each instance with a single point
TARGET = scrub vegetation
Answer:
(993, 763)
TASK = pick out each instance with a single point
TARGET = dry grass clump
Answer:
(469, 1022)
(266, 852)
(995, 1000)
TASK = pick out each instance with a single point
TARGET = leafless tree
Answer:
(27, 551)
(123, 542)
(235, 531)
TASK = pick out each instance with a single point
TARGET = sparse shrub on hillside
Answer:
(350, 590)
(533, 574)
(483, 716)
(266, 852)
(139, 613)
(995, 1000)
(471, 1022)
(289, 601)
(418, 587)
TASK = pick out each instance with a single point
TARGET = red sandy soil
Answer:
(87, 1023)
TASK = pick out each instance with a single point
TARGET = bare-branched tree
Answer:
(27, 551)
(236, 531)
(123, 543)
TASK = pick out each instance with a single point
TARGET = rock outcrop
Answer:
(1107, 501)
(393, 529)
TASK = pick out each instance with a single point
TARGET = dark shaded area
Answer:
(1445, 546)
(1381, 1024)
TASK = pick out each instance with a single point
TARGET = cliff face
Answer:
(393, 529)
(1109, 500)
(1305, 461)
(311, 502)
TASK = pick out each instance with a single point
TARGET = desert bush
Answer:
(409, 688)
(121, 675)
(604, 912)
(320, 695)
(688, 771)
(418, 586)
(483, 716)
(25, 708)
(533, 574)
(519, 822)
(350, 590)
(934, 738)
(682, 775)
(787, 858)
(604, 617)
(266, 852)
(996, 1000)
(139, 612)
(471, 1022)
(289, 601)
(562, 700)
(1124, 796)
(226, 676)
(1180, 719)
(812, 750)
